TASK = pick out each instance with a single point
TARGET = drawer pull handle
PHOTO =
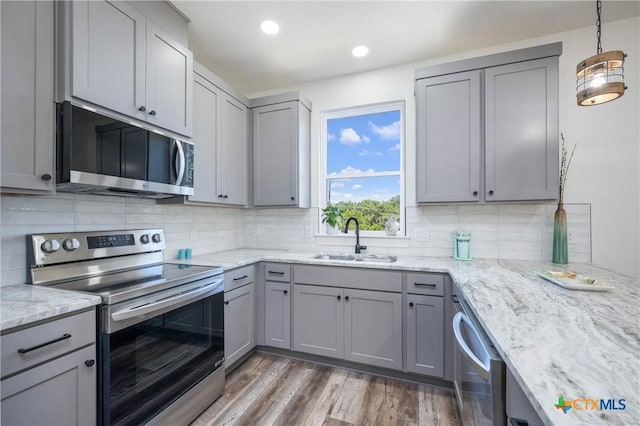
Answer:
(65, 336)
(424, 285)
(276, 273)
(241, 278)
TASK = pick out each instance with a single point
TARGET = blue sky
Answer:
(364, 143)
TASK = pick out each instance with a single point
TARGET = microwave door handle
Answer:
(480, 366)
(180, 162)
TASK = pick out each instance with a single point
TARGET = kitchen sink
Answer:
(357, 257)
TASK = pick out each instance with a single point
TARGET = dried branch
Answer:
(564, 167)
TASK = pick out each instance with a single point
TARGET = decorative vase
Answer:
(330, 229)
(560, 251)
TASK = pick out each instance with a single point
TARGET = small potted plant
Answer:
(331, 217)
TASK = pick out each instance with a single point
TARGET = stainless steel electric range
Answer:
(160, 325)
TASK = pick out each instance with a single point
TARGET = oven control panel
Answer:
(50, 249)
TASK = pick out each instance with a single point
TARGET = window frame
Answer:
(325, 116)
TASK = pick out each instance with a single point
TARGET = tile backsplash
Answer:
(506, 231)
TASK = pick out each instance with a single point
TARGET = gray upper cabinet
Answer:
(281, 159)
(121, 61)
(521, 116)
(487, 128)
(27, 96)
(449, 135)
(220, 135)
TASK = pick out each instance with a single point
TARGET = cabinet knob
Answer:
(491, 192)
(152, 112)
(89, 362)
(286, 291)
(411, 305)
(225, 196)
(142, 108)
(46, 177)
(220, 195)
(226, 302)
(475, 193)
(339, 297)
(293, 198)
(346, 298)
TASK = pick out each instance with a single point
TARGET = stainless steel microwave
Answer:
(99, 154)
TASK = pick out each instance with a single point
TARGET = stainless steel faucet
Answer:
(346, 229)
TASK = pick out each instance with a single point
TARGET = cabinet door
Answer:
(206, 126)
(449, 137)
(277, 327)
(27, 95)
(238, 323)
(275, 154)
(425, 335)
(169, 83)
(108, 46)
(318, 320)
(59, 392)
(521, 103)
(373, 328)
(232, 152)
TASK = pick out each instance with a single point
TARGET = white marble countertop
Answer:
(578, 344)
(24, 304)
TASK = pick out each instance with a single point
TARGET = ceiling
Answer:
(316, 37)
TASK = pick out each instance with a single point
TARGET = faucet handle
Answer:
(363, 247)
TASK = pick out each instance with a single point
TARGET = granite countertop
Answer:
(556, 342)
(24, 304)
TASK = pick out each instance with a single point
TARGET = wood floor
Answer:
(274, 390)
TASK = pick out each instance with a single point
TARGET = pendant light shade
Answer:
(600, 78)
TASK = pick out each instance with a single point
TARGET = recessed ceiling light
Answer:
(360, 51)
(270, 27)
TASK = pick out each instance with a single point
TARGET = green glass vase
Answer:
(560, 250)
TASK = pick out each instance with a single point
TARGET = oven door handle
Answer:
(180, 298)
(482, 367)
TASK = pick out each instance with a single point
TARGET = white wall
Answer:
(605, 169)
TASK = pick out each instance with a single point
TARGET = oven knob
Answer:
(144, 239)
(71, 244)
(156, 238)
(50, 246)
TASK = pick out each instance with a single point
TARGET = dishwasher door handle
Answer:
(482, 367)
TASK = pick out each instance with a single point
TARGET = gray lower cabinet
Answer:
(318, 320)
(49, 373)
(425, 335)
(277, 313)
(27, 96)
(239, 335)
(357, 325)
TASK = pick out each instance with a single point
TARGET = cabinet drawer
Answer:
(431, 284)
(277, 272)
(237, 278)
(20, 349)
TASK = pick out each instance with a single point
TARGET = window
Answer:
(362, 172)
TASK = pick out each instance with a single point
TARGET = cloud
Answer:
(352, 171)
(331, 137)
(337, 185)
(390, 132)
(350, 137)
(366, 138)
(396, 147)
(365, 153)
(347, 196)
(356, 186)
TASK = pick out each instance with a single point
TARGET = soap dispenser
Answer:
(462, 245)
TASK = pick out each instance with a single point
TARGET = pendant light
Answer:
(600, 78)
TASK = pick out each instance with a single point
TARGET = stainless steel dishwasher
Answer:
(478, 370)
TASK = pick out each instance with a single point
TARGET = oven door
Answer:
(161, 354)
(478, 375)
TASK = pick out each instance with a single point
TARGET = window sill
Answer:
(375, 240)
